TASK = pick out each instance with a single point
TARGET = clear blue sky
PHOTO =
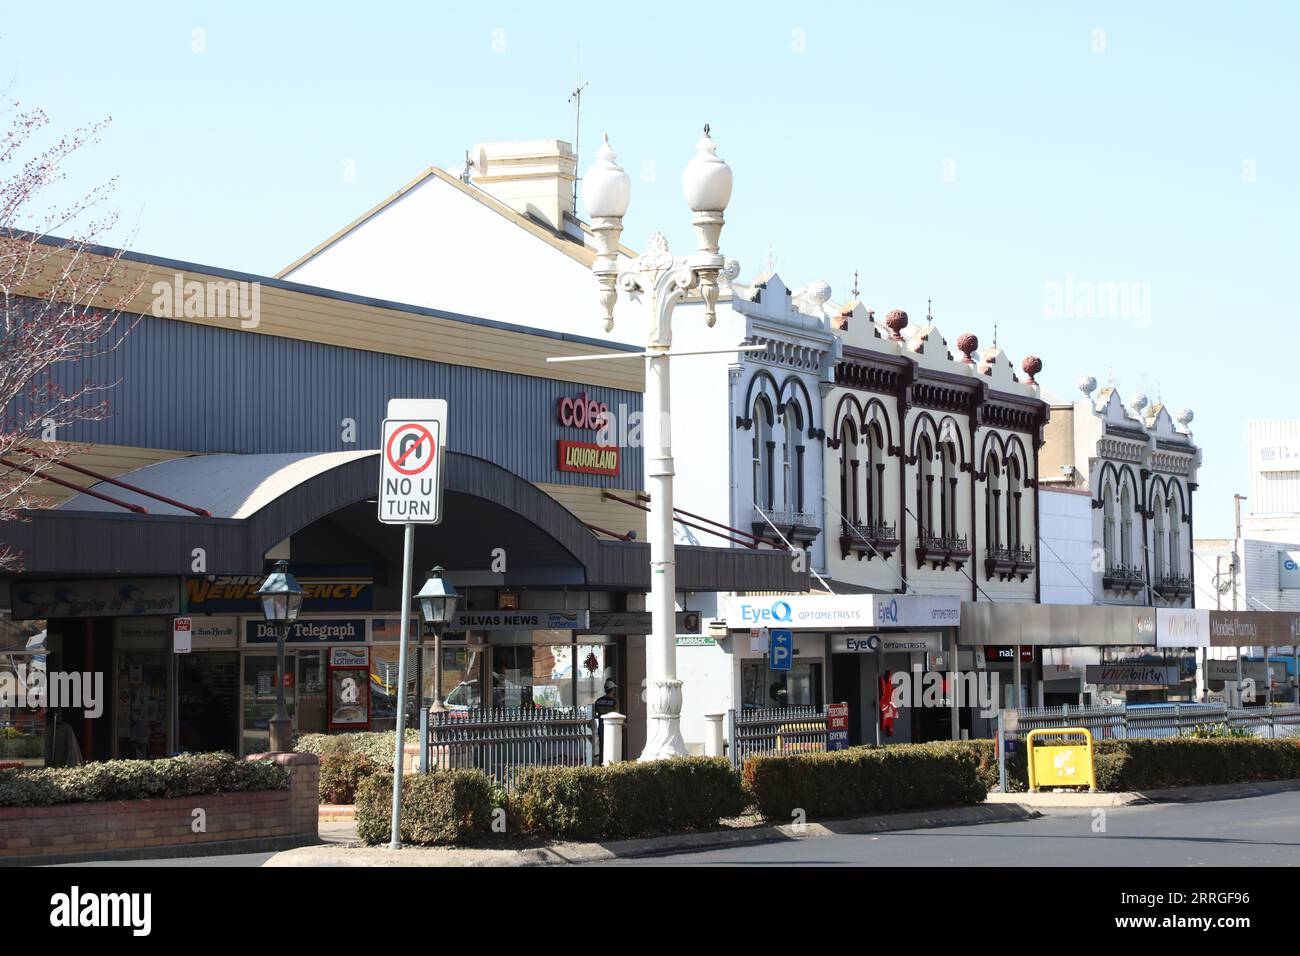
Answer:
(967, 152)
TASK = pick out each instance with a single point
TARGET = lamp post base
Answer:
(281, 735)
(664, 730)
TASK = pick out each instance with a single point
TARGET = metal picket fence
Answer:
(775, 730)
(1155, 721)
(503, 742)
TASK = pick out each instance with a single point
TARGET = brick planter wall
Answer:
(251, 822)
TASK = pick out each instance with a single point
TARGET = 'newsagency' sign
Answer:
(842, 612)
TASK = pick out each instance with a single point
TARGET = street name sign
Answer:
(411, 461)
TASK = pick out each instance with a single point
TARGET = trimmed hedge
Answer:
(183, 776)
(864, 780)
(1141, 764)
(440, 808)
(378, 745)
(342, 772)
(628, 799)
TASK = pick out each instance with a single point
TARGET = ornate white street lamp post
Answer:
(659, 281)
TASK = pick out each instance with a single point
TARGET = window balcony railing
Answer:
(942, 550)
(1122, 578)
(1174, 587)
(798, 527)
(1008, 563)
(867, 540)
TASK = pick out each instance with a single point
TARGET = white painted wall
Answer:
(1065, 544)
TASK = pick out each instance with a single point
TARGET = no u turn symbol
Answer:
(410, 449)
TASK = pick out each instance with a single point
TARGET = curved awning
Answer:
(323, 502)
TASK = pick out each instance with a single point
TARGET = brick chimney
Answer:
(534, 177)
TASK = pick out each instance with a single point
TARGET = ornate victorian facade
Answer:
(1140, 467)
(931, 462)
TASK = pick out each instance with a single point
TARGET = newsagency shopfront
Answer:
(845, 649)
(563, 631)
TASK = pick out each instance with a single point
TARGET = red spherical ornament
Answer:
(896, 321)
(1032, 365)
(966, 344)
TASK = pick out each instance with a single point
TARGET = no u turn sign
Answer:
(411, 464)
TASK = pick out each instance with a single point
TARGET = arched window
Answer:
(1175, 537)
(874, 465)
(1160, 541)
(1013, 502)
(925, 486)
(1108, 525)
(848, 472)
(992, 500)
(792, 459)
(763, 448)
(948, 489)
(1126, 526)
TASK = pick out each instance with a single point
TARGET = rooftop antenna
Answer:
(575, 97)
(995, 335)
(930, 318)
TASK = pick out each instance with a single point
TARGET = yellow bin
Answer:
(1060, 765)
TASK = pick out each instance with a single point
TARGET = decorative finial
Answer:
(1032, 365)
(995, 335)
(967, 343)
(1088, 385)
(1185, 417)
(929, 319)
(896, 321)
(1137, 401)
(855, 283)
(706, 129)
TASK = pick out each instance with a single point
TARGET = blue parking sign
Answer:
(780, 650)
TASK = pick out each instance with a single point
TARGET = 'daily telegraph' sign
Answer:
(411, 461)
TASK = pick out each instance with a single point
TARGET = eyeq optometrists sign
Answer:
(842, 612)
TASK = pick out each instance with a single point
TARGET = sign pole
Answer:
(408, 553)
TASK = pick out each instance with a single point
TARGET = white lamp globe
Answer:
(606, 189)
(706, 181)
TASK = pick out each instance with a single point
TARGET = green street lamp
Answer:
(281, 600)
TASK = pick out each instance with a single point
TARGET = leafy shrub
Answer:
(380, 746)
(1218, 731)
(628, 799)
(341, 772)
(183, 776)
(1142, 764)
(440, 808)
(867, 780)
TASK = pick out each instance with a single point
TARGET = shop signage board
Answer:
(324, 588)
(1288, 570)
(758, 640)
(886, 643)
(1254, 628)
(520, 621)
(1227, 670)
(837, 726)
(840, 612)
(1132, 675)
(1182, 627)
(411, 461)
(1001, 654)
(587, 458)
(103, 597)
(309, 631)
(182, 635)
(780, 652)
(637, 622)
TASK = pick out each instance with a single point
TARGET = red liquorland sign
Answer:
(587, 458)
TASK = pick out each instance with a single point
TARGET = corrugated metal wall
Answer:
(197, 388)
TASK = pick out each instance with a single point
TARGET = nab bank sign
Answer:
(833, 612)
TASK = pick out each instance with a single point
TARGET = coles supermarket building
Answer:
(233, 442)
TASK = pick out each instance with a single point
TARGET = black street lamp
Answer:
(438, 599)
(281, 598)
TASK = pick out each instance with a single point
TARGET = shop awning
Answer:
(324, 502)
